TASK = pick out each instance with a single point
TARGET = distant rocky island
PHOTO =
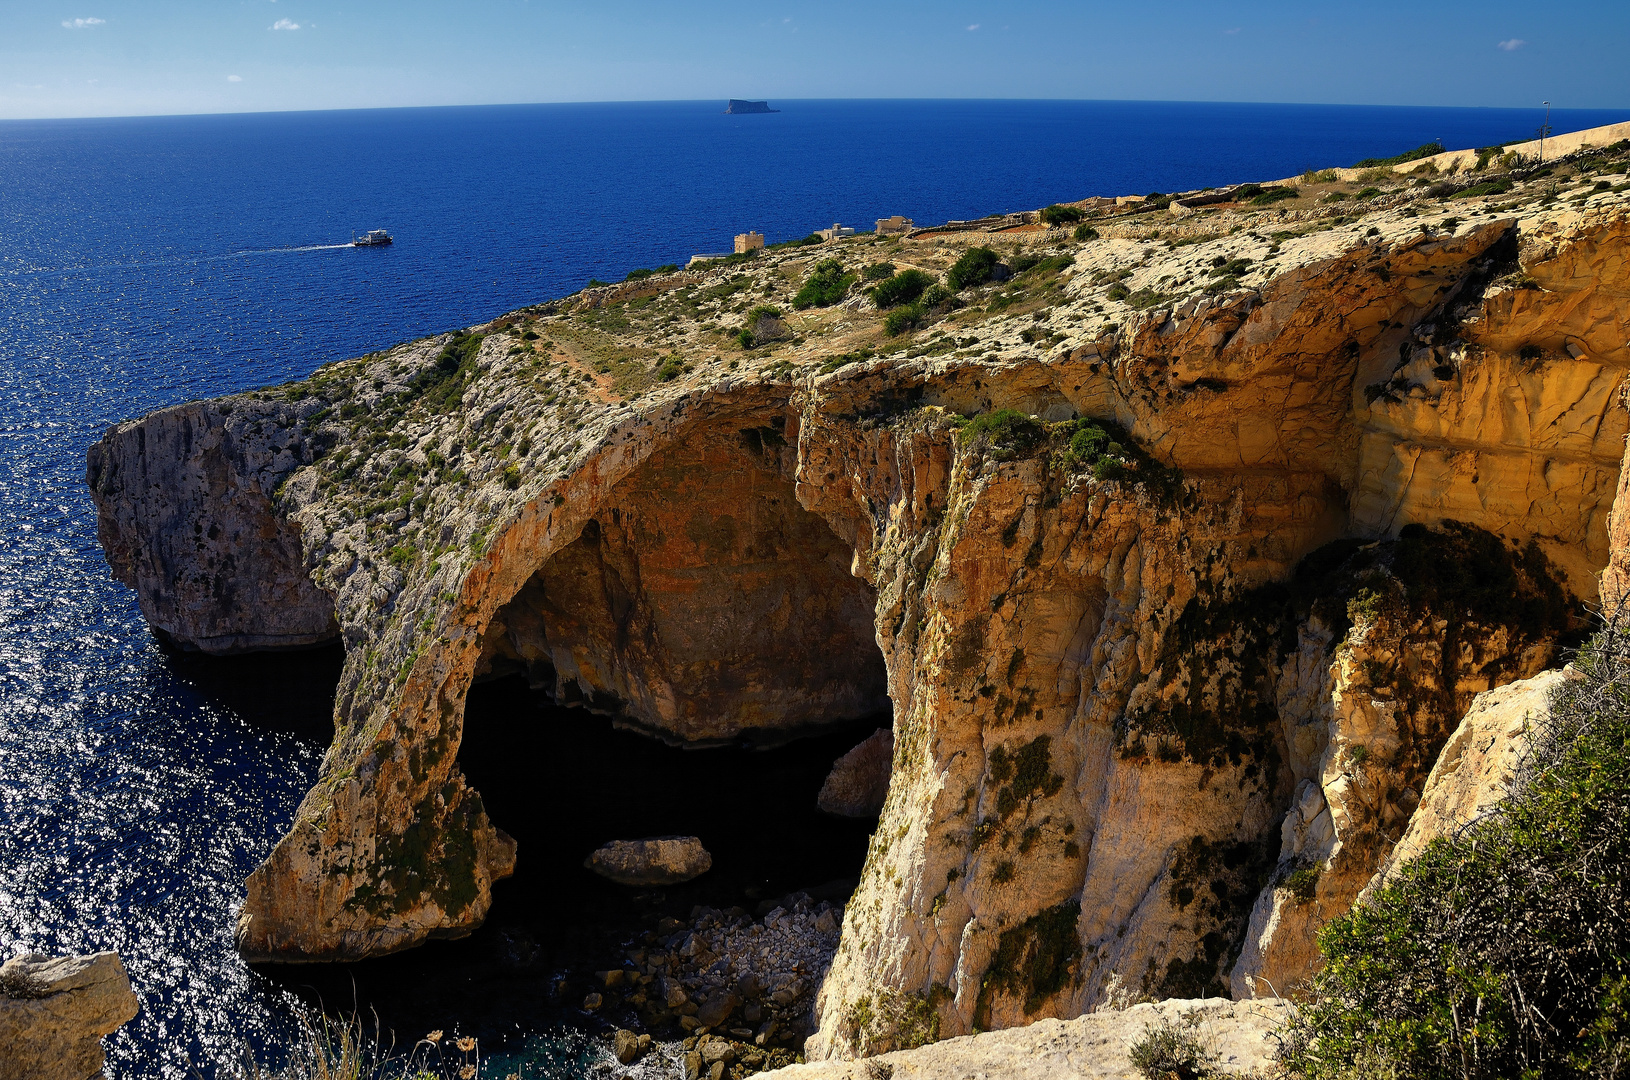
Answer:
(738, 106)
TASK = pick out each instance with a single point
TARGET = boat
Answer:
(372, 238)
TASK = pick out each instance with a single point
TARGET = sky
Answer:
(144, 57)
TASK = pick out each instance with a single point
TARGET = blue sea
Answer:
(154, 260)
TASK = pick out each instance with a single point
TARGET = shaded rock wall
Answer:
(701, 602)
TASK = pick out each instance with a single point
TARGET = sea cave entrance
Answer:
(692, 664)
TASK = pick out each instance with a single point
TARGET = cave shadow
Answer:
(562, 781)
(288, 690)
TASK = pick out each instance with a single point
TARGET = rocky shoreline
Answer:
(722, 994)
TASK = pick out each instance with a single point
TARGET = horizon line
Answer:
(687, 101)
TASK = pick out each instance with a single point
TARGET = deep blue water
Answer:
(148, 261)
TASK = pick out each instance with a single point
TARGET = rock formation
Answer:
(1179, 558)
(859, 781)
(1237, 1035)
(659, 860)
(55, 1010)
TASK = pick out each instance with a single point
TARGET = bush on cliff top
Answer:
(975, 267)
(1424, 150)
(903, 288)
(826, 285)
(1503, 951)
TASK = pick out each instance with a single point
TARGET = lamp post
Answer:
(1545, 129)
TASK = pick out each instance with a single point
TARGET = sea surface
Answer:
(150, 261)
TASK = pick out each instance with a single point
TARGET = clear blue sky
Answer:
(124, 57)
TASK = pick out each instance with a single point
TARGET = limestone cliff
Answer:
(1179, 557)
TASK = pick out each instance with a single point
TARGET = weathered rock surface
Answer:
(185, 517)
(657, 860)
(1139, 674)
(859, 780)
(1475, 769)
(55, 1010)
(1237, 1033)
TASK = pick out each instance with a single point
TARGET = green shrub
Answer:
(975, 267)
(642, 272)
(1007, 430)
(879, 271)
(1167, 1050)
(441, 384)
(826, 285)
(1493, 187)
(1271, 195)
(1118, 291)
(1504, 950)
(1051, 264)
(903, 288)
(939, 296)
(1085, 233)
(512, 477)
(1303, 883)
(1320, 176)
(1422, 151)
(905, 318)
(1062, 215)
(1367, 193)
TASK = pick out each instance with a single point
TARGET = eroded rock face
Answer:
(658, 860)
(1478, 763)
(185, 517)
(1130, 671)
(55, 1010)
(702, 603)
(859, 780)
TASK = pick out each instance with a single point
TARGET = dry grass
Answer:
(344, 1050)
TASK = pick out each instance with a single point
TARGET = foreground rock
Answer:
(859, 780)
(658, 860)
(1474, 772)
(54, 1012)
(1238, 1035)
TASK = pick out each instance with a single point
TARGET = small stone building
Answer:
(894, 226)
(749, 241)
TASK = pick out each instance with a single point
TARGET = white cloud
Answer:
(234, 78)
(80, 24)
(973, 26)
(285, 24)
(1513, 45)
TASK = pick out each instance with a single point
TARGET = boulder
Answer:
(859, 780)
(629, 1046)
(656, 860)
(718, 1007)
(55, 1010)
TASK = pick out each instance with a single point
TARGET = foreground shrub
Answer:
(826, 285)
(1085, 232)
(1505, 950)
(879, 271)
(977, 266)
(1166, 1050)
(903, 288)
(1062, 215)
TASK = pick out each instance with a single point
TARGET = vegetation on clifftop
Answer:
(1503, 951)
